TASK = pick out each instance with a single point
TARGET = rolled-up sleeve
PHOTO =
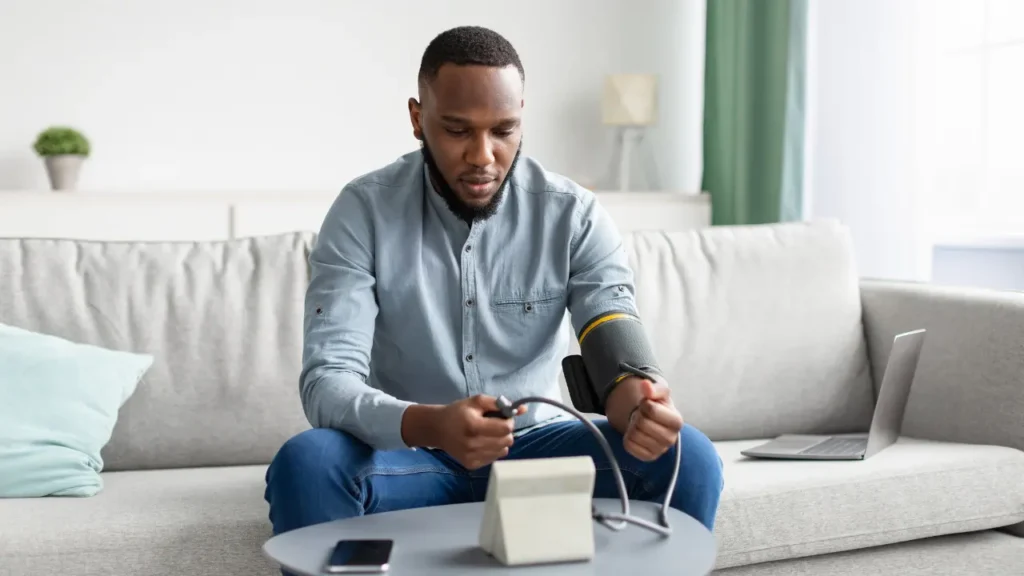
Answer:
(340, 314)
(600, 278)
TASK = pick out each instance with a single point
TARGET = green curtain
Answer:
(754, 107)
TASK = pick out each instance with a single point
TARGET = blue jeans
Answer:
(323, 474)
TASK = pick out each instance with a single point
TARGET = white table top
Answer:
(443, 540)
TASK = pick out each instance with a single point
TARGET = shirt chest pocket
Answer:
(534, 304)
(522, 321)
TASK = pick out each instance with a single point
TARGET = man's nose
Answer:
(481, 151)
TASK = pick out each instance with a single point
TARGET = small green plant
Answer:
(58, 140)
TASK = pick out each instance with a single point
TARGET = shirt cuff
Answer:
(385, 425)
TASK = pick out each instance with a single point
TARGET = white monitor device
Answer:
(539, 511)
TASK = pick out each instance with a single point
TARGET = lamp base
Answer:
(629, 141)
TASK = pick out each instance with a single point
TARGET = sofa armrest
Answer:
(969, 385)
(970, 381)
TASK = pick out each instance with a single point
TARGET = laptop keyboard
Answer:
(837, 446)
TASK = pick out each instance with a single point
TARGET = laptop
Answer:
(886, 423)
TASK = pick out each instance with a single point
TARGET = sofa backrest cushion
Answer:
(223, 321)
(758, 327)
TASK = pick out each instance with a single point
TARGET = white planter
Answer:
(63, 170)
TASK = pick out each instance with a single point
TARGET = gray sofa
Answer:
(763, 330)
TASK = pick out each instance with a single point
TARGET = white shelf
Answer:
(216, 215)
(982, 241)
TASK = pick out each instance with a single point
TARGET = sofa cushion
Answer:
(223, 321)
(757, 327)
(157, 523)
(776, 509)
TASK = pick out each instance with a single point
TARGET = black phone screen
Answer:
(353, 553)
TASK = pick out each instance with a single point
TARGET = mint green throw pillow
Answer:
(58, 405)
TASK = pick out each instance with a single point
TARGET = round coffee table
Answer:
(443, 540)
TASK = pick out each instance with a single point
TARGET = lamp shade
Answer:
(630, 99)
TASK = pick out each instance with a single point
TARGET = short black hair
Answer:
(466, 45)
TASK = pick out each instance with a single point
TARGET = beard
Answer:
(463, 211)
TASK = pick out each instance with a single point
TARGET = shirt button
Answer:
(469, 302)
(469, 247)
(622, 288)
(469, 357)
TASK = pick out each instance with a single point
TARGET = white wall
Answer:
(667, 37)
(306, 94)
(864, 138)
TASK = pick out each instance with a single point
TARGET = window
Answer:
(977, 116)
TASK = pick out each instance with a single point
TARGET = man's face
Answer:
(469, 123)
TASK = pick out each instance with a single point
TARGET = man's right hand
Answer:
(461, 430)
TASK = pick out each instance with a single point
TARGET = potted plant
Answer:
(63, 149)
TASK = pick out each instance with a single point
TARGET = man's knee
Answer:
(701, 479)
(316, 454)
(701, 466)
(312, 479)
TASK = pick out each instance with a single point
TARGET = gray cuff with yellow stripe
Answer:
(612, 339)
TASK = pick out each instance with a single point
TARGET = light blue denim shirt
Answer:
(409, 304)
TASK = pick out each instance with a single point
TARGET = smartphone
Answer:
(360, 557)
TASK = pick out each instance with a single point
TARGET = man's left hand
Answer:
(654, 425)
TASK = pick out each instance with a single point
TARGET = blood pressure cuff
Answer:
(606, 342)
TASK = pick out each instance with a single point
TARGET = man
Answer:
(442, 281)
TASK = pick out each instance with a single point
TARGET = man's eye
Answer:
(455, 131)
(505, 133)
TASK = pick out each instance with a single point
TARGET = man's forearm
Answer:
(419, 425)
(626, 396)
(609, 344)
(343, 401)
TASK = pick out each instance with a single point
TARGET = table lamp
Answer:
(629, 105)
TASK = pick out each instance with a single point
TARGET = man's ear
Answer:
(416, 119)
